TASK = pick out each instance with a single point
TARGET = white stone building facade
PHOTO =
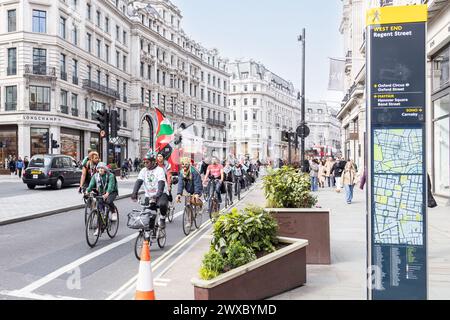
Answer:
(262, 105)
(61, 61)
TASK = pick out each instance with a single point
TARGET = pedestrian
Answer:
(322, 174)
(314, 173)
(363, 179)
(136, 164)
(12, 166)
(26, 162)
(336, 170)
(19, 166)
(328, 165)
(349, 180)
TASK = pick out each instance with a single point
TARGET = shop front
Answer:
(37, 145)
(71, 142)
(8, 145)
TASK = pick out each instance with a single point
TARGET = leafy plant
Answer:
(113, 166)
(213, 264)
(238, 255)
(237, 237)
(288, 188)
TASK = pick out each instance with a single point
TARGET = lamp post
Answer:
(302, 39)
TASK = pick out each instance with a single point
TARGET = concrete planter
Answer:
(282, 270)
(307, 223)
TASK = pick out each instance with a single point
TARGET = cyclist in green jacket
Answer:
(106, 185)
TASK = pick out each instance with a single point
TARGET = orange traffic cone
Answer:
(144, 288)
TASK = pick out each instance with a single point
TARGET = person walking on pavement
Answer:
(336, 170)
(322, 172)
(349, 180)
(12, 166)
(328, 176)
(19, 166)
(313, 173)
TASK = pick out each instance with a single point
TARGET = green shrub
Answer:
(238, 255)
(113, 166)
(288, 188)
(237, 237)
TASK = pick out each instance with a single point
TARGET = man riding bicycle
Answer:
(155, 185)
(89, 168)
(106, 185)
(215, 170)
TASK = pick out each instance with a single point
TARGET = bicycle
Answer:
(89, 205)
(100, 218)
(146, 221)
(213, 202)
(228, 193)
(192, 215)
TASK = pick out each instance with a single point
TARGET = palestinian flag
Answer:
(164, 132)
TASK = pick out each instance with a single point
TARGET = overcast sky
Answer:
(266, 31)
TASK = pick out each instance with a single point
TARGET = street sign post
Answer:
(397, 257)
(303, 131)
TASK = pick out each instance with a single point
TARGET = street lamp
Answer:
(302, 39)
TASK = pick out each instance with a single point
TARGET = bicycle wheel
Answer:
(162, 237)
(187, 223)
(93, 226)
(87, 210)
(198, 218)
(214, 207)
(171, 213)
(138, 245)
(113, 226)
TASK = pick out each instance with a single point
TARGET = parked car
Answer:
(51, 170)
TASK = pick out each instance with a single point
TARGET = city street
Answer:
(48, 258)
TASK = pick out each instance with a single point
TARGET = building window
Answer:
(117, 33)
(124, 122)
(62, 66)
(142, 70)
(254, 101)
(63, 102)
(441, 69)
(89, 69)
(39, 61)
(245, 88)
(39, 98)
(234, 88)
(124, 92)
(441, 148)
(124, 37)
(117, 59)
(12, 61)
(254, 87)
(62, 27)
(245, 115)
(39, 21)
(255, 114)
(11, 98)
(99, 44)
(107, 53)
(11, 20)
(99, 77)
(245, 102)
(88, 42)
(142, 95)
(37, 143)
(74, 105)
(75, 71)
(234, 115)
(107, 24)
(107, 80)
(124, 58)
(88, 11)
(99, 18)
(74, 35)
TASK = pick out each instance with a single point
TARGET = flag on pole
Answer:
(164, 132)
(337, 69)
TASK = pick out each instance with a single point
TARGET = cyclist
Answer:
(155, 185)
(106, 184)
(215, 170)
(238, 173)
(167, 171)
(125, 168)
(191, 181)
(89, 168)
(229, 178)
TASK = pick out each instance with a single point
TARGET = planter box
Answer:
(275, 273)
(311, 224)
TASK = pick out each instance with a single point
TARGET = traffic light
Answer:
(103, 120)
(55, 144)
(45, 139)
(115, 123)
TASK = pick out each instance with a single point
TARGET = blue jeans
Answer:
(348, 192)
(314, 184)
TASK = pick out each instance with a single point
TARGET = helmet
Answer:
(151, 155)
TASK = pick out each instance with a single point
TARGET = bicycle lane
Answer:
(48, 258)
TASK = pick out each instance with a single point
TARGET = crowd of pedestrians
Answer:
(16, 165)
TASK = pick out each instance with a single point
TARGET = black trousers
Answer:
(163, 204)
(110, 200)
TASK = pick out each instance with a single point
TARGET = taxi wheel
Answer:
(31, 186)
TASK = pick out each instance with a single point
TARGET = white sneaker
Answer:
(96, 232)
(188, 225)
(114, 216)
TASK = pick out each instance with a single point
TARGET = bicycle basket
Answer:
(141, 220)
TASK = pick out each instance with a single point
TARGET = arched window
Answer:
(147, 136)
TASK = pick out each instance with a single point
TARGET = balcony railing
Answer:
(75, 112)
(63, 75)
(64, 109)
(10, 106)
(40, 70)
(39, 106)
(98, 88)
(215, 122)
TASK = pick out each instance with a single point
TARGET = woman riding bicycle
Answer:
(215, 170)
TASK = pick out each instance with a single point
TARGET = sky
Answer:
(267, 31)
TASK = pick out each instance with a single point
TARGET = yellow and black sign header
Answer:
(401, 14)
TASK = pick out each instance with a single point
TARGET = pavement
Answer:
(345, 277)
(18, 203)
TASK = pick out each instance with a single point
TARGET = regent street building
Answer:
(62, 60)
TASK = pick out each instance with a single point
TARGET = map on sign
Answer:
(398, 151)
(398, 209)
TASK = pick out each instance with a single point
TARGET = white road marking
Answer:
(36, 296)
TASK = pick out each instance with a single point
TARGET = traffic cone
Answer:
(144, 287)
